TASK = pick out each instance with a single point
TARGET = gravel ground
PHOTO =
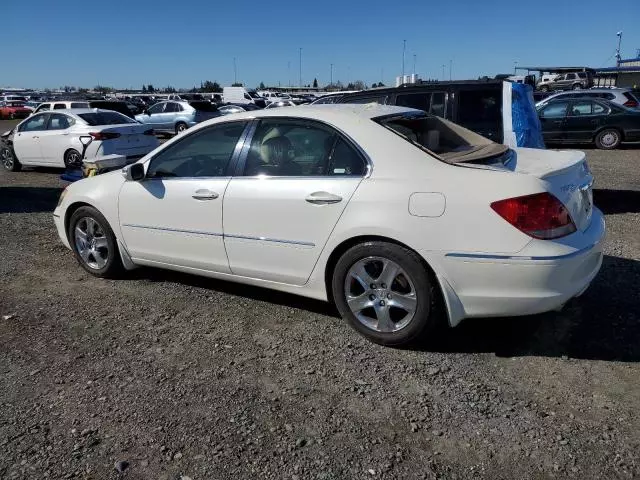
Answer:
(171, 376)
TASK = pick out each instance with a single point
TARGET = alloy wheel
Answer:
(380, 294)
(73, 159)
(7, 158)
(91, 243)
(609, 139)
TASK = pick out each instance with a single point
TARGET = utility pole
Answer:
(515, 67)
(300, 66)
(404, 47)
(235, 71)
(618, 57)
(331, 76)
(450, 68)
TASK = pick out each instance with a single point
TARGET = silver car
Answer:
(621, 96)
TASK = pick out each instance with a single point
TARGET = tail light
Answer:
(104, 135)
(630, 103)
(149, 132)
(540, 215)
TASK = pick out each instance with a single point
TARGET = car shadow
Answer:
(617, 201)
(28, 199)
(603, 324)
(237, 289)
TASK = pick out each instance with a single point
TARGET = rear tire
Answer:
(94, 243)
(181, 127)
(544, 88)
(608, 139)
(385, 292)
(72, 158)
(577, 86)
(9, 160)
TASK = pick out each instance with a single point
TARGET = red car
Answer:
(13, 110)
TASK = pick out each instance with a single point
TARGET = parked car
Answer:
(621, 96)
(589, 120)
(242, 95)
(176, 117)
(281, 103)
(328, 99)
(567, 81)
(482, 106)
(114, 105)
(14, 109)
(60, 105)
(53, 138)
(386, 211)
(228, 108)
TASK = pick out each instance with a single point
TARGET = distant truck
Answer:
(241, 95)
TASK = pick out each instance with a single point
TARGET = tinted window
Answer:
(58, 121)
(555, 110)
(437, 104)
(105, 118)
(79, 105)
(157, 108)
(298, 148)
(59, 106)
(206, 153)
(581, 108)
(571, 76)
(172, 107)
(421, 101)
(480, 111)
(369, 99)
(37, 122)
(204, 106)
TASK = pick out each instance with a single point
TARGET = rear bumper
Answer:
(482, 285)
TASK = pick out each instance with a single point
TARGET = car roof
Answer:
(78, 111)
(320, 112)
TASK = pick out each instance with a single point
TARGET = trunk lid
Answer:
(566, 175)
(131, 140)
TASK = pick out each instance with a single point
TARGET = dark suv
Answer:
(568, 81)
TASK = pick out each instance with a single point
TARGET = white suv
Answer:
(61, 105)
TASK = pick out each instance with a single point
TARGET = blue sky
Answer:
(125, 44)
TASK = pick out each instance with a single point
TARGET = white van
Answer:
(242, 95)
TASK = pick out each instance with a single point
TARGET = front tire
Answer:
(577, 86)
(608, 139)
(544, 88)
(181, 127)
(72, 159)
(9, 160)
(384, 292)
(94, 243)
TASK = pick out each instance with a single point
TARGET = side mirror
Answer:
(133, 172)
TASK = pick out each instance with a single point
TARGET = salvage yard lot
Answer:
(186, 376)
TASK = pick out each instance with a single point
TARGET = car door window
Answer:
(59, 106)
(292, 148)
(206, 153)
(421, 101)
(58, 121)
(37, 122)
(555, 110)
(598, 109)
(43, 107)
(171, 107)
(157, 108)
(581, 108)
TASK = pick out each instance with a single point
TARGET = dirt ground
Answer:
(170, 376)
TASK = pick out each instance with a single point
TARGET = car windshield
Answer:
(254, 95)
(105, 118)
(442, 138)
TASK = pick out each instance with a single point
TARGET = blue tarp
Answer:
(526, 124)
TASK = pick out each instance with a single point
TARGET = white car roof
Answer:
(328, 112)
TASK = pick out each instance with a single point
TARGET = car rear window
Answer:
(204, 106)
(79, 105)
(442, 138)
(105, 118)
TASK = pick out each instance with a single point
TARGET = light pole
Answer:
(443, 77)
(450, 68)
(289, 71)
(618, 57)
(300, 67)
(404, 47)
(331, 76)
(235, 71)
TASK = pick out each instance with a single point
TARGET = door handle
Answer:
(204, 194)
(323, 198)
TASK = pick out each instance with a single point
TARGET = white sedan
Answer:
(53, 139)
(385, 211)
